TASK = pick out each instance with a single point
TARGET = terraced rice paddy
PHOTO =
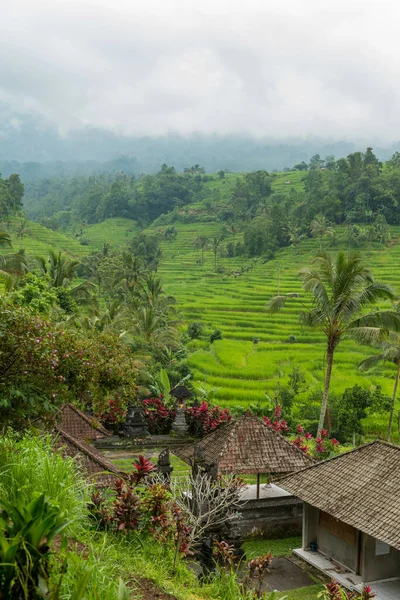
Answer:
(258, 349)
(256, 353)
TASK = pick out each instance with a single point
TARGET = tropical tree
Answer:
(295, 234)
(342, 288)
(22, 229)
(389, 343)
(215, 245)
(201, 243)
(319, 227)
(60, 271)
(233, 230)
(153, 329)
(12, 264)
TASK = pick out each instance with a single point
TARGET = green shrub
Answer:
(216, 335)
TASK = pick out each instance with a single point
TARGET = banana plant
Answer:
(26, 533)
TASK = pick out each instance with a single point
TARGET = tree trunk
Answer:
(324, 404)
(215, 260)
(202, 256)
(396, 383)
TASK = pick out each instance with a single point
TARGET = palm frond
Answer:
(276, 303)
(371, 361)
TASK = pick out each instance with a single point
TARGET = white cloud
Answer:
(267, 67)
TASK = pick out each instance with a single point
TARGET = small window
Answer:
(381, 548)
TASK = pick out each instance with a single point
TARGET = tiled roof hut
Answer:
(246, 446)
(351, 511)
(80, 426)
(97, 468)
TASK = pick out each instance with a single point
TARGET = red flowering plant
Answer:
(115, 412)
(140, 504)
(202, 418)
(333, 591)
(320, 448)
(277, 422)
(158, 415)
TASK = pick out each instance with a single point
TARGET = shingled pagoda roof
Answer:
(94, 464)
(360, 488)
(74, 422)
(246, 445)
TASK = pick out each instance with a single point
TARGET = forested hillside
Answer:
(223, 245)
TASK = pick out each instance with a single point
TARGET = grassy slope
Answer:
(238, 370)
(39, 240)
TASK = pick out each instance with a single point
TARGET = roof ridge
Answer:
(288, 442)
(83, 447)
(89, 420)
(332, 458)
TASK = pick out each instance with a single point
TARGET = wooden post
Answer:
(258, 485)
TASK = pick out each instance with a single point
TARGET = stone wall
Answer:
(271, 517)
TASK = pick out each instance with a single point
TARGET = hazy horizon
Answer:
(266, 69)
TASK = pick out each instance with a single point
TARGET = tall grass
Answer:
(30, 465)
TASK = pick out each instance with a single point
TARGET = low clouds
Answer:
(270, 67)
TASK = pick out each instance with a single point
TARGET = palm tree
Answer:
(61, 271)
(12, 264)
(389, 343)
(214, 245)
(153, 328)
(295, 235)
(341, 290)
(233, 230)
(22, 229)
(201, 243)
(319, 227)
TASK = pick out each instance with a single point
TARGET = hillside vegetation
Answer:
(258, 231)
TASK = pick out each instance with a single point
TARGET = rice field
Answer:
(259, 349)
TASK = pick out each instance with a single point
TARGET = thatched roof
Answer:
(246, 445)
(360, 488)
(74, 422)
(96, 466)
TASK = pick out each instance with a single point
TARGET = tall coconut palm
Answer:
(389, 343)
(233, 230)
(215, 245)
(201, 243)
(319, 227)
(342, 288)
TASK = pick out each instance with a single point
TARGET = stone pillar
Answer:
(179, 426)
(164, 466)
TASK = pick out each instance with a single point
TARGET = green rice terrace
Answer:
(258, 349)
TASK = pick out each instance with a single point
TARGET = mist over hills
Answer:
(36, 149)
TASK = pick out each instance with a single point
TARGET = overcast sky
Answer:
(266, 67)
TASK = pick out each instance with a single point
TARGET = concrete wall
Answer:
(310, 524)
(375, 566)
(338, 549)
(271, 517)
(333, 546)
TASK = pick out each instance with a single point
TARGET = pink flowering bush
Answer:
(43, 365)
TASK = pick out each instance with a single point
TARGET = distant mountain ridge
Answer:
(36, 150)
